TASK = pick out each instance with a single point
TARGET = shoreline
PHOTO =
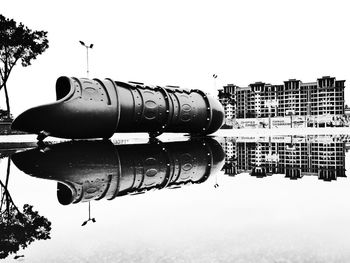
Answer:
(282, 131)
(17, 139)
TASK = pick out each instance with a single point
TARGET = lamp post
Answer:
(214, 78)
(87, 55)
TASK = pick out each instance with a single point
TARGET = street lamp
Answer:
(214, 78)
(87, 55)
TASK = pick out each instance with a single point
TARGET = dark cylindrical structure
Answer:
(97, 109)
(92, 170)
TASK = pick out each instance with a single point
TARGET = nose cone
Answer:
(33, 120)
(57, 119)
(83, 110)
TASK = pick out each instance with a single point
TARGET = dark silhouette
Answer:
(121, 107)
(17, 42)
(19, 229)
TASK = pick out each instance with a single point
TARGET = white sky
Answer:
(181, 43)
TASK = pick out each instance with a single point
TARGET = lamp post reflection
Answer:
(216, 185)
(89, 219)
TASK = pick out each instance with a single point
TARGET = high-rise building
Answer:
(318, 103)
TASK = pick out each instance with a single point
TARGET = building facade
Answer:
(319, 103)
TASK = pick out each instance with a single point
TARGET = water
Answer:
(277, 199)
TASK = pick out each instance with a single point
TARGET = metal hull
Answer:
(97, 109)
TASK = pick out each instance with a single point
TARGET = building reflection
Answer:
(93, 170)
(293, 156)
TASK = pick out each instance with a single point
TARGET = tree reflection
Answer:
(19, 229)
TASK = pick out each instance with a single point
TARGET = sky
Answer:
(181, 43)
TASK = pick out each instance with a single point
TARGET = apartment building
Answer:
(318, 102)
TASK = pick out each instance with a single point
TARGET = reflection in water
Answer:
(295, 157)
(92, 219)
(274, 224)
(92, 170)
(18, 228)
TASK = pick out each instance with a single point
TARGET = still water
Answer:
(237, 199)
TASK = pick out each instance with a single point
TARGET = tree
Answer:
(19, 229)
(17, 43)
